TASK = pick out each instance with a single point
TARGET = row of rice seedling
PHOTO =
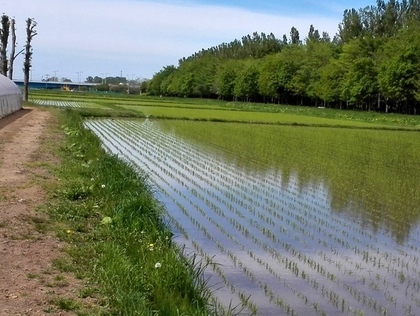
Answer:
(345, 222)
(221, 248)
(180, 217)
(69, 104)
(282, 239)
(211, 113)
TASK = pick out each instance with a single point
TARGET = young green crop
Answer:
(386, 160)
(268, 190)
(232, 115)
(302, 215)
(218, 110)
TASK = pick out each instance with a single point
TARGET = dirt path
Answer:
(28, 282)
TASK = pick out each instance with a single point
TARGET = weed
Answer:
(32, 275)
(88, 292)
(59, 281)
(64, 264)
(66, 304)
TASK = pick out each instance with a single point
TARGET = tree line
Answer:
(372, 63)
(7, 30)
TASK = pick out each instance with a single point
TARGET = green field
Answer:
(295, 210)
(217, 110)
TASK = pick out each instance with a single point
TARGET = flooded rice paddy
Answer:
(68, 104)
(291, 220)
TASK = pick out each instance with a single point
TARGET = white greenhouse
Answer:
(10, 97)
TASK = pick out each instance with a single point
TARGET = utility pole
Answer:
(104, 79)
(79, 76)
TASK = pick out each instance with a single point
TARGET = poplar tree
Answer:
(30, 34)
(294, 36)
(4, 38)
(13, 48)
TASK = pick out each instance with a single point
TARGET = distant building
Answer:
(10, 97)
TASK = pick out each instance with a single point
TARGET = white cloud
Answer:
(104, 35)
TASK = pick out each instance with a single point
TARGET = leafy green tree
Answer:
(360, 81)
(225, 79)
(204, 76)
(360, 86)
(194, 77)
(268, 83)
(330, 82)
(186, 84)
(156, 81)
(97, 79)
(302, 73)
(351, 27)
(313, 35)
(294, 36)
(399, 74)
(326, 37)
(246, 83)
(316, 55)
(389, 18)
(144, 86)
(372, 58)
(277, 72)
(170, 85)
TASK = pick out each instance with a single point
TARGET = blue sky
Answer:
(137, 38)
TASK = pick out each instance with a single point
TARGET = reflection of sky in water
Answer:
(273, 239)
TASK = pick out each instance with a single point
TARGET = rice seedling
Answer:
(282, 224)
(69, 104)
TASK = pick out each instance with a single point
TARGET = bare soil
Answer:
(29, 283)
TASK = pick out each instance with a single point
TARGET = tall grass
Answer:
(109, 216)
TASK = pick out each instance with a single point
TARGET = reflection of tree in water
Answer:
(371, 175)
(392, 206)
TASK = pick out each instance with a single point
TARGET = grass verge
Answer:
(105, 210)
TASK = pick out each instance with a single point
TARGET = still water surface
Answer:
(292, 223)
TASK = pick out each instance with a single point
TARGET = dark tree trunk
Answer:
(30, 33)
(5, 29)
